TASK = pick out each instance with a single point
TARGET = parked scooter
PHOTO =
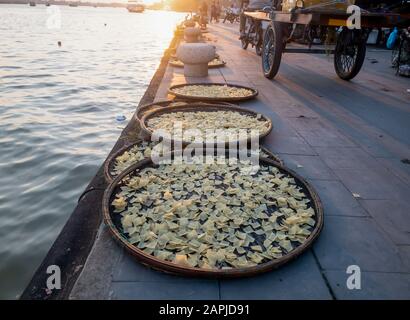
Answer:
(401, 51)
(231, 16)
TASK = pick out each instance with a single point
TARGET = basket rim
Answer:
(183, 96)
(170, 267)
(207, 108)
(165, 103)
(146, 107)
(107, 165)
(219, 65)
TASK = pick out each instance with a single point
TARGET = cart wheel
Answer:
(350, 52)
(272, 48)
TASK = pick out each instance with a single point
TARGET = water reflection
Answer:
(57, 115)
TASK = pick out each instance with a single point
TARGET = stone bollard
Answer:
(189, 23)
(192, 34)
(195, 57)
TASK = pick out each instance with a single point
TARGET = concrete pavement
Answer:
(349, 139)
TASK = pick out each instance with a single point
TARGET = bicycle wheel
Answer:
(350, 52)
(272, 49)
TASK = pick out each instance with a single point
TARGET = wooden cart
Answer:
(308, 24)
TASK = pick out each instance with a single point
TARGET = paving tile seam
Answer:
(380, 226)
(347, 216)
(387, 158)
(337, 131)
(373, 199)
(161, 281)
(323, 275)
(377, 224)
(393, 96)
(347, 117)
(295, 154)
(393, 172)
(370, 132)
(346, 186)
(370, 271)
(307, 118)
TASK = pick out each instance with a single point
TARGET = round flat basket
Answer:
(213, 64)
(174, 90)
(145, 109)
(142, 110)
(266, 153)
(194, 107)
(113, 167)
(151, 252)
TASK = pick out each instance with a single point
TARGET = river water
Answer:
(58, 108)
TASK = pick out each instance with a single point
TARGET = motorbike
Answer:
(401, 53)
(253, 33)
(231, 16)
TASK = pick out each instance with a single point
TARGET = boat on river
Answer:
(135, 6)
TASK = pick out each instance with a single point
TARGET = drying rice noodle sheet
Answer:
(214, 125)
(136, 153)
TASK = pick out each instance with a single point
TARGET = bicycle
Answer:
(253, 33)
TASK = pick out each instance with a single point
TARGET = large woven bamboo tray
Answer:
(113, 221)
(109, 165)
(229, 99)
(192, 107)
(147, 108)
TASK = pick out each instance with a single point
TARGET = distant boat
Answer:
(135, 6)
(32, 4)
(47, 4)
(73, 4)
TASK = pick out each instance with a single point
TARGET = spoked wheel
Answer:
(272, 48)
(350, 52)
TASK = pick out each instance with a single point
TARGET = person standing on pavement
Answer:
(218, 8)
(213, 11)
(250, 5)
(203, 11)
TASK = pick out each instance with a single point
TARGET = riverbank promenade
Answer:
(350, 140)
